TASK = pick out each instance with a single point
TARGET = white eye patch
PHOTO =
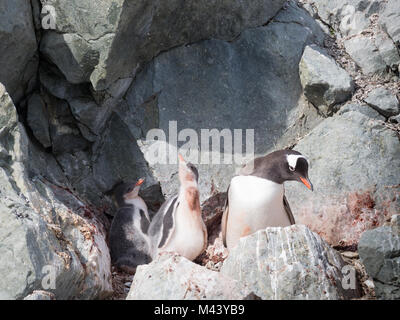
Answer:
(292, 160)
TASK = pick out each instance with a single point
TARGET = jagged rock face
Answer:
(47, 233)
(102, 139)
(389, 20)
(18, 47)
(102, 132)
(103, 41)
(288, 263)
(172, 277)
(379, 251)
(114, 69)
(349, 17)
(354, 160)
(216, 83)
(370, 31)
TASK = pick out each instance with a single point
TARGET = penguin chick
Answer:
(129, 243)
(178, 225)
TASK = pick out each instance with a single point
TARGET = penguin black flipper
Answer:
(224, 220)
(163, 223)
(169, 221)
(288, 210)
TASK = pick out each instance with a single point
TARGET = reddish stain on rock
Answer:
(342, 222)
(357, 203)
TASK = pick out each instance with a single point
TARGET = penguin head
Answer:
(187, 171)
(133, 191)
(295, 167)
(280, 166)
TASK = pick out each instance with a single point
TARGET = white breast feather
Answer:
(254, 204)
(140, 204)
(255, 192)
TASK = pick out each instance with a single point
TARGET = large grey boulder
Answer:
(388, 51)
(172, 277)
(389, 19)
(218, 84)
(354, 159)
(104, 41)
(379, 251)
(71, 53)
(50, 239)
(289, 263)
(383, 101)
(57, 85)
(18, 64)
(365, 53)
(83, 36)
(323, 81)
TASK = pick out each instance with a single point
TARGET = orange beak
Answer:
(181, 158)
(140, 182)
(307, 183)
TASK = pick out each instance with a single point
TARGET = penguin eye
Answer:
(291, 168)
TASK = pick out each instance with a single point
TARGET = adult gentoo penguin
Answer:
(129, 243)
(178, 225)
(256, 197)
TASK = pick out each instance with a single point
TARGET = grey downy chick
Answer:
(129, 242)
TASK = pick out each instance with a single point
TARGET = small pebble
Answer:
(369, 283)
(209, 265)
(218, 265)
(350, 254)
